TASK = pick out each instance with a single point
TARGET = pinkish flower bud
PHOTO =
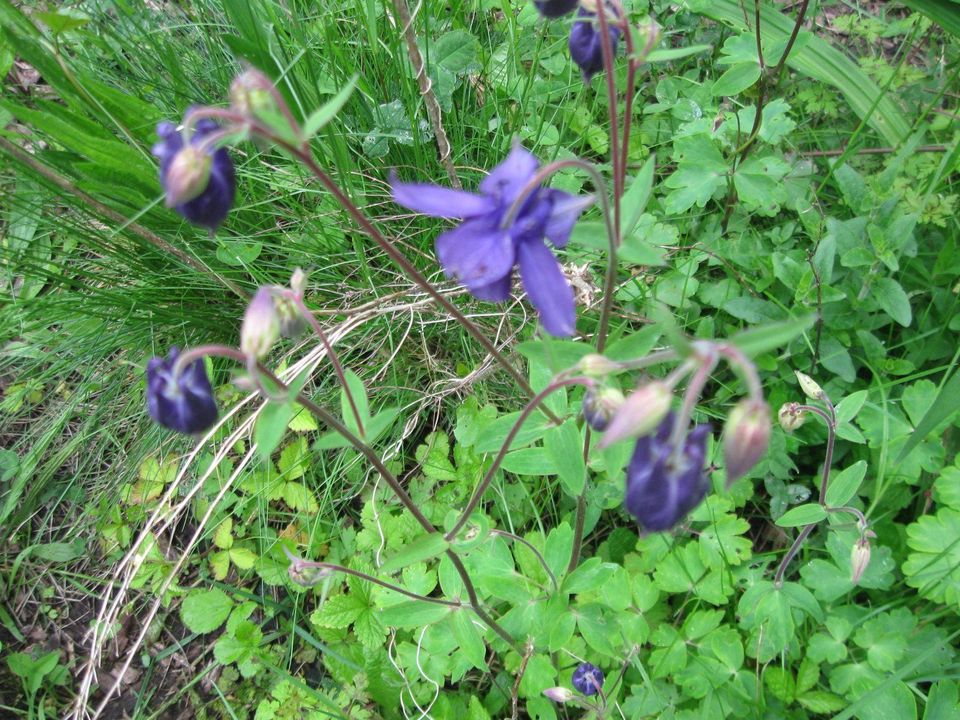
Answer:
(746, 437)
(187, 176)
(600, 405)
(261, 325)
(251, 94)
(640, 414)
(298, 282)
(809, 386)
(859, 559)
(559, 694)
(596, 366)
(791, 416)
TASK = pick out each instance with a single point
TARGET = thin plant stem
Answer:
(830, 419)
(505, 448)
(299, 564)
(801, 16)
(606, 47)
(532, 548)
(690, 397)
(581, 516)
(331, 353)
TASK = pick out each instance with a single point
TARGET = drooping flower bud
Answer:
(555, 8)
(298, 282)
(600, 405)
(746, 437)
(809, 386)
(187, 176)
(261, 325)
(180, 401)
(596, 366)
(292, 322)
(251, 94)
(663, 485)
(587, 678)
(859, 559)
(586, 47)
(559, 694)
(791, 417)
(640, 413)
(201, 191)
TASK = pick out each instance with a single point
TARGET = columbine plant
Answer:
(507, 224)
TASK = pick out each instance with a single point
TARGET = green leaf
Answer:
(701, 171)
(303, 421)
(942, 701)
(329, 109)
(359, 393)
(58, 552)
(802, 515)
(637, 196)
(242, 557)
(271, 426)
(892, 299)
(469, 637)
(636, 344)
(204, 611)
(564, 445)
(934, 565)
(414, 614)
(845, 484)
(425, 547)
(737, 79)
(943, 407)
(298, 497)
(780, 683)
(669, 54)
(61, 22)
(822, 702)
(339, 611)
(765, 338)
(456, 51)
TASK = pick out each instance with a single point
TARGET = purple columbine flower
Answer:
(586, 49)
(555, 8)
(181, 402)
(587, 678)
(482, 251)
(210, 197)
(662, 487)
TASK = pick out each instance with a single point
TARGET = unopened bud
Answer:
(188, 175)
(640, 413)
(559, 694)
(791, 416)
(596, 366)
(261, 325)
(600, 405)
(298, 282)
(859, 559)
(251, 94)
(809, 386)
(746, 437)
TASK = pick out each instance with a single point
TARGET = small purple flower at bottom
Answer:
(181, 402)
(482, 251)
(662, 487)
(586, 47)
(211, 175)
(587, 678)
(555, 8)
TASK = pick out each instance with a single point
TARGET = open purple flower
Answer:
(587, 678)
(199, 184)
(182, 402)
(555, 8)
(586, 47)
(662, 487)
(482, 251)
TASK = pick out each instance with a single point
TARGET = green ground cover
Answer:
(151, 575)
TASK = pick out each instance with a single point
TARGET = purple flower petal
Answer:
(508, 178)
(547, 287)
(497, 291)
(440, 201)
(566, 211)
(477, 253)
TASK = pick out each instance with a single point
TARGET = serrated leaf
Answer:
(892, 299)
(220, 564)
(204, 611)
(339, 611)
(243, 558)
(414, 614)
(298, 497)
(303, 421)
(294, 459)
(802, 515)
(822, 702)
(271, 426)
(780, 683)
(223, 537)
(934, 565)
(469, 637)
